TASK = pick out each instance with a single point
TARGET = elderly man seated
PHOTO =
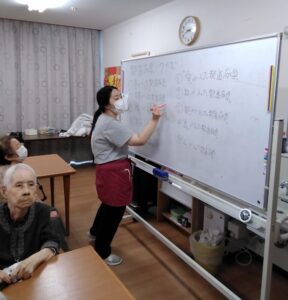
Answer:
(25, 228)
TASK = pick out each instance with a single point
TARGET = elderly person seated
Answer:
(13, 152)
(25, 225)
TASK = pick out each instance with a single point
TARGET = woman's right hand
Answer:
(139, 139)
(157, 111)
(4, 277)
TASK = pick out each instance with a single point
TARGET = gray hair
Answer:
(11, 171)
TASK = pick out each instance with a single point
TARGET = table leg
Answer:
(66, 182)
(52, 190)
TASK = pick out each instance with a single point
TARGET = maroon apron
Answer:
(114, 182)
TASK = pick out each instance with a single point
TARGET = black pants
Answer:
(105, 226)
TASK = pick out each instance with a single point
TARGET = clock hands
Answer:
(191, 29)
(188, 32)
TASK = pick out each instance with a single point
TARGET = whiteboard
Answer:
(216, 123)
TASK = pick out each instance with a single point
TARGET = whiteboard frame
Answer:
(203, 185)
(277, 35)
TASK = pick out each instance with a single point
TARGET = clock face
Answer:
(188, 30)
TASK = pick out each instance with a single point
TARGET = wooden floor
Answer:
(150, 270)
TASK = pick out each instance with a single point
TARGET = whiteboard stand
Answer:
(188, 78)
(270, 233)
(232, 210)
(187, 259)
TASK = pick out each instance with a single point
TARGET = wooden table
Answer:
(74, 275)
(51, 166)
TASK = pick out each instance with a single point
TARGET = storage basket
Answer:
(209, 257)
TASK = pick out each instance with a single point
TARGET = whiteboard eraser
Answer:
(160, 174)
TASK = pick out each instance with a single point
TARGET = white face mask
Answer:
(121, 104)
(22, 152)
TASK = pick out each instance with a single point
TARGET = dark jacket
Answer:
(20, 240)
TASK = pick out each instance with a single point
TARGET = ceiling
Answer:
(96, 14)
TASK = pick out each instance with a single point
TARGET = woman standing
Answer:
(110, 140)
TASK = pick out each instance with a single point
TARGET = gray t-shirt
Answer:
(109, 140)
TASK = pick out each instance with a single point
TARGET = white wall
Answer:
(221, 21)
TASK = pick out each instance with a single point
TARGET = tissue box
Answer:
(31, 131)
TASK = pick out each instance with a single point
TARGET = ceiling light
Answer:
(41, 5)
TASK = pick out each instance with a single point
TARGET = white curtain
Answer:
(49, 74)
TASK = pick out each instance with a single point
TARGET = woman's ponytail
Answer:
(97, 113)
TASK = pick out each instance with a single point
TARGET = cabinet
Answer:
(167, 195)
(76, 148)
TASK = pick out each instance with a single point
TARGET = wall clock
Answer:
(189, 30)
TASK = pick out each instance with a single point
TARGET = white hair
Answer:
(11, 171)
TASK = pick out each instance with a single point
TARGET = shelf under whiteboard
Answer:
(168, 216)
